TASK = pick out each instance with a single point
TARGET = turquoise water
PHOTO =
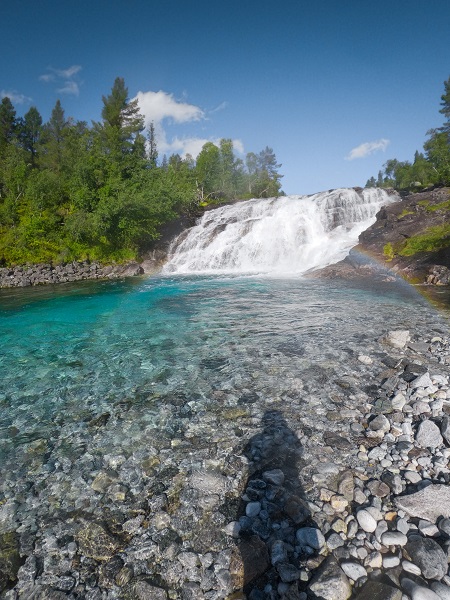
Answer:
(74, 352)
(174, 372)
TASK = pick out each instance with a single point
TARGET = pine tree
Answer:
(30, 132)
(445, 110)
(121, 121)
(152, 146)
(54, 134)
(7, 123)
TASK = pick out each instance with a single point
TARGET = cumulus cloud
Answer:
(157, 106)
(64, 78)
(190, 145)
(368, 148)
(161, 107)
(15, 97)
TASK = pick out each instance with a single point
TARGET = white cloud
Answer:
(47, 77)
(15, 97)
(64, 78)
(368, 148)
(191, 145)
(157, 106)
(70, 87)
(222, 106)
(67, 73)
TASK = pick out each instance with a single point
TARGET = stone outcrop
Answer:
(378, 251)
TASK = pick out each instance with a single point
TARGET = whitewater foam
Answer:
(284, 235)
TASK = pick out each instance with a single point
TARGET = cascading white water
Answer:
(289, 234)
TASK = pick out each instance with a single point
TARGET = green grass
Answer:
(388, 252)
(405, 212)
(441, 206)
(431, 240)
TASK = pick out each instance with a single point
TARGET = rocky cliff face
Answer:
(410, 238)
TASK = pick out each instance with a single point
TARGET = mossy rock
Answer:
(10, 560)
(95, 542)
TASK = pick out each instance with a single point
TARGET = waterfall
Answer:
(285, 235)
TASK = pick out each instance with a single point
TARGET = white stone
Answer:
(410, 567)
(412, 476)
(428, 435)
(397, 338)
(366, 521)
(374, 560)
(232, 529)
(353, 570)
(394, 538)
(398, 401)
(366, 360)
(423, 381)
(390, 562)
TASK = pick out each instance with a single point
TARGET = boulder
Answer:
(330, 582)
(428, 556)
(430, 503)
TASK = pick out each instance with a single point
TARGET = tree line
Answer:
(431, 167)
(70, 191)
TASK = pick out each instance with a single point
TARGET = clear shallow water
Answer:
(74, 352)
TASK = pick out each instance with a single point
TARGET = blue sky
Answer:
(335, 87)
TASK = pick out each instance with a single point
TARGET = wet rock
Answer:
(330, 582)
(94, 542)
(430, 503)
(10, 560)
(397, 339)
(428, 556)
(143, 590)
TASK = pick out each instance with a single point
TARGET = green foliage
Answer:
(429, 168)
(73, 192)
(388, 251)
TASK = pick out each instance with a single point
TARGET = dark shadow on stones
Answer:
(268, 551)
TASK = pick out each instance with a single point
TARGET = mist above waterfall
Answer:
(285, 235)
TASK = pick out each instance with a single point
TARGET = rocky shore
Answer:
(44, 274)
(341, 490)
